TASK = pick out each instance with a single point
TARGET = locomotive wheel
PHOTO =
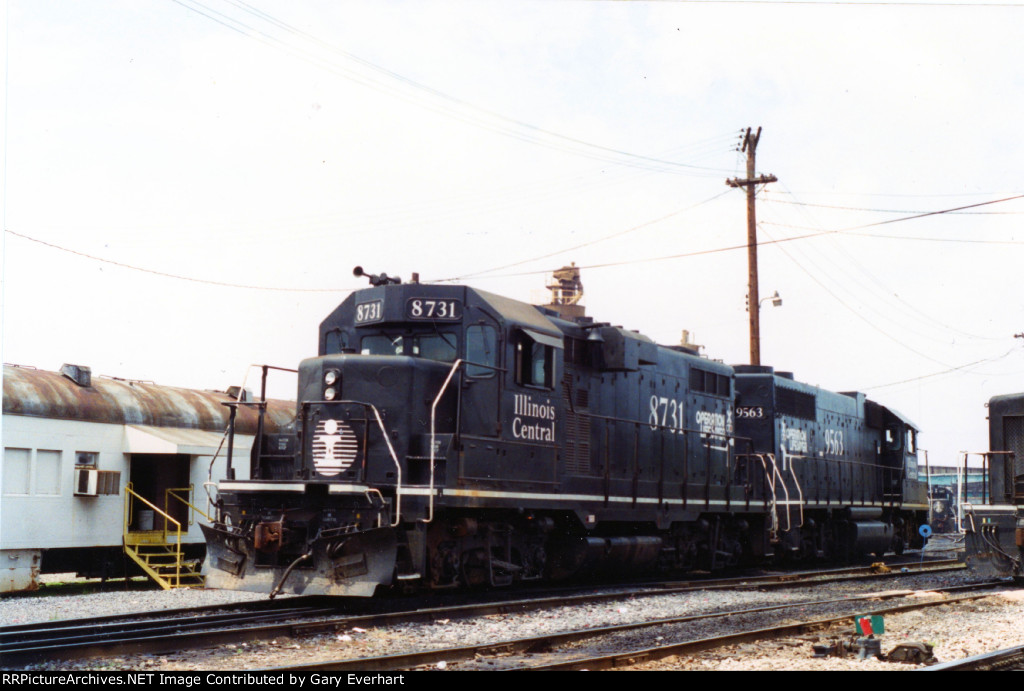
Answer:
(473, 567)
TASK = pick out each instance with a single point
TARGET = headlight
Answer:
(331, 377)
(330, 393)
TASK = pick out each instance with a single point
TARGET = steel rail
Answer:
(254, 606)
(77, 634)
(174, 637)
(627, 659)
(545, 642)
(997, 660)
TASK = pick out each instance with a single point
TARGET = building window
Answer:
(48, 473)
(17, 471)
(86, 459)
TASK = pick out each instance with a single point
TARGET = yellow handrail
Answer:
(186, 502)
(167, 517)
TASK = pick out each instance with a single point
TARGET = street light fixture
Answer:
(776, 300)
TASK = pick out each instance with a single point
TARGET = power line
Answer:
(171, 275)
(440, 102)
(887, 294)
(936, 213)
(943, 372)
(857, 3)
(904, 237)
(760, 243)
(771, 200)
(525, 273)
(582, 245)
(857, 313)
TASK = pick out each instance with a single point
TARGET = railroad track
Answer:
(150, 632)
(804, 578)
(1005, 660)
(178, 630)
(561, 651)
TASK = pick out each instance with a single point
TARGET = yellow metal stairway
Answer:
(162, 560)
(160, 553)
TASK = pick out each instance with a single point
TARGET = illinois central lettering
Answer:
(533, 421)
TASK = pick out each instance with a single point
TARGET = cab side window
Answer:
(535, 359)
(893, 439)
(481, 349)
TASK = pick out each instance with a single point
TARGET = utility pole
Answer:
(753, 302)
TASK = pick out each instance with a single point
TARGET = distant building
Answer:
(969, 487)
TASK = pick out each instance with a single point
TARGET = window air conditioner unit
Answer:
(86, 480)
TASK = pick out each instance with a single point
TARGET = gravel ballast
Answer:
(954, 630)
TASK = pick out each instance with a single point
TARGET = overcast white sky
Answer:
(160, 155)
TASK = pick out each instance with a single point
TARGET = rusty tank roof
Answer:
(39, 393)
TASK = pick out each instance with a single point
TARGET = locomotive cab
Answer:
(415, 388)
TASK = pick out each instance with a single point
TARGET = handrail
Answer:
(775, 499)
(370, 491)
(147, 502)
(190, 489)
(961, 490)
(261, 404)
(127, 511)
(799, 490)
(433, 444)
(773, 504)
(209, 497)
(433, 428)
(782, 480)
(398, 466)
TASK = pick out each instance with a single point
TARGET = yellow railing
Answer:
(129, 512)
(187, 502)
(170, 536)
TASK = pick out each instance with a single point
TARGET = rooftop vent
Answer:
(240, 394)
(78, 374)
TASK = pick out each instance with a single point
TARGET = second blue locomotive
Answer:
(449, 437)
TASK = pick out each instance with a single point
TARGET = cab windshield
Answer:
(435, 346)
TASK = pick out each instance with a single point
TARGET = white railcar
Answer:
(91, 465)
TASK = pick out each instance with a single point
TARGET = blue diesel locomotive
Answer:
(448, 437)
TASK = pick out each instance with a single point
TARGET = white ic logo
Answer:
(335, 447)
